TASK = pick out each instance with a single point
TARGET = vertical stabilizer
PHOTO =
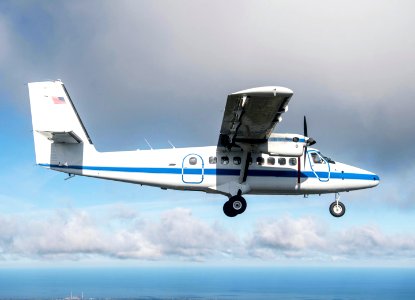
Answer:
(57, 128)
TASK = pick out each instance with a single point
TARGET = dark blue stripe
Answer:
(285, 139)
(223, 172)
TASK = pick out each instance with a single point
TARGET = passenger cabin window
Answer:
(260, 161)
(224, 160)
(316, 158)
(193, 160)
(236, 160)
(212, 160)
(282, 161)
(293, 161)
(271, 161)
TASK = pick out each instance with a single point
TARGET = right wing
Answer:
(251, 115)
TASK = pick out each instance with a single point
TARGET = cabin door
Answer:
(192, 169)
(319, 165)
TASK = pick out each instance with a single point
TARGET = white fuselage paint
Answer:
(192, 169)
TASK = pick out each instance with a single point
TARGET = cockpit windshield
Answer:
(319, 158)
(328, 159)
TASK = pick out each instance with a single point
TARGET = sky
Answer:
(161, 71)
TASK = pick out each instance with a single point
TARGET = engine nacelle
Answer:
(284, 144)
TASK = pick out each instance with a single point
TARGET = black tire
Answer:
(228, 210)
(234, 206)
(337, 211)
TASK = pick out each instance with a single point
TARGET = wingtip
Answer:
(264, 90)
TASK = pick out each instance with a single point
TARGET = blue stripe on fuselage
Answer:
(221, 172)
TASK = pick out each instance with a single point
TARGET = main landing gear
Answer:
(235, 205)
(337, 209)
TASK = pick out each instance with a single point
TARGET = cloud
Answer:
(4, 39)
(178, 235)
(370, 241)
(76, 234)
(287, 236)
(311, 239)
(351, 67)
(58, 235)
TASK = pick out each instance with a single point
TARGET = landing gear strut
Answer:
(235, 205)
(337, 209)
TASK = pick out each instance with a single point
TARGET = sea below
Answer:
(208, 283)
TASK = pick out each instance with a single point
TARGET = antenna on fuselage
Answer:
(148, 144)
(171, 144)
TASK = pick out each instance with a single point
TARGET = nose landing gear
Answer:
(337, 209)
(235, 205)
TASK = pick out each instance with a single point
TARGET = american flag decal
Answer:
(58, 100)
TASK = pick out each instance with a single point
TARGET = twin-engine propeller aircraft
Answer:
(249, 158)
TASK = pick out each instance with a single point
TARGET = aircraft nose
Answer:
(376, 179)
(373, 179)
(368, 179)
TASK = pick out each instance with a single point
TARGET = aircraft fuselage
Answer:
(213, 170)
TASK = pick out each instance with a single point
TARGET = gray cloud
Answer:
(145, 63)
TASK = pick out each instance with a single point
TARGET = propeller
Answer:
(309, 141)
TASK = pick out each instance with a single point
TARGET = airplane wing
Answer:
(251, 115)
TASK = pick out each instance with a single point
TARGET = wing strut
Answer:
(244, 166)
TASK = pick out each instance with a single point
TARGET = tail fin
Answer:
(55, 121)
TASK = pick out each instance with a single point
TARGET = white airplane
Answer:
(249, 158)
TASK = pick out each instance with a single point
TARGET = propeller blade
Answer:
(306, 135)
(305, 127)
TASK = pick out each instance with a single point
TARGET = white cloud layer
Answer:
(177, 234)
(308, 238)
(75, 234)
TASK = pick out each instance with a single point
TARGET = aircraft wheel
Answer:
(337, 209)
(234, 206)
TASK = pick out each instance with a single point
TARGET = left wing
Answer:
(251, 115)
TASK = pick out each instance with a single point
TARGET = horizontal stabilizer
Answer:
(62, 137)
